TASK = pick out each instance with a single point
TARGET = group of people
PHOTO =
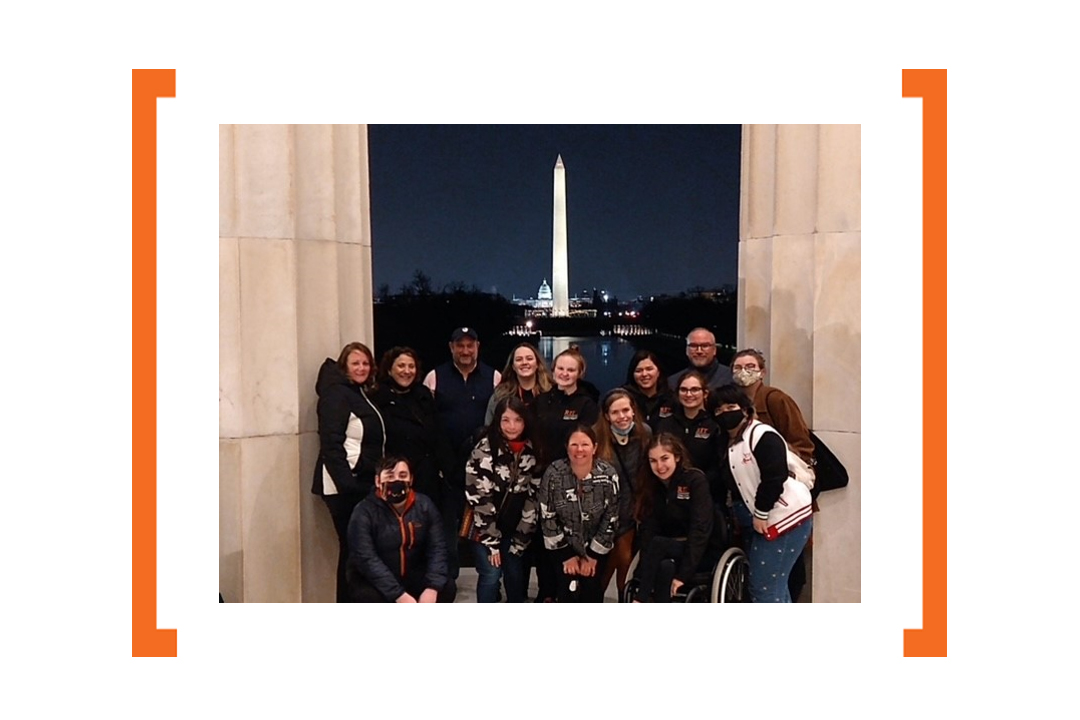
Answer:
(535, 469)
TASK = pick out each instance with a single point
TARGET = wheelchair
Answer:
(722, 577)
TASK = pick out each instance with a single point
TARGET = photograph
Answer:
(540, 363)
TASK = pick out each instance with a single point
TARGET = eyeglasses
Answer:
(690, 391)
(751, 367)
(700, 346)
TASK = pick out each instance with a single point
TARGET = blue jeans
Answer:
(511, 572)
(770, 560)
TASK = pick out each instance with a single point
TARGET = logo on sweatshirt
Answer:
(702, 433)
(682, 492)
(665, 411)
(569, 415)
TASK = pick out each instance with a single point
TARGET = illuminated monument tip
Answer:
(559, 272)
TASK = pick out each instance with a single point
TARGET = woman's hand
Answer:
(675, 585)
(495, 558)
(406, 598)
(761, 526)
(572, 566)
(587, 566)
(429, 596)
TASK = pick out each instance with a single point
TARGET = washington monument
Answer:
(559, 273)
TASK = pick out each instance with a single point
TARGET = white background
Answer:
(66, 285)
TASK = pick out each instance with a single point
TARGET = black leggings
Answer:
(341, 508)
(575, 588)
(656, 568)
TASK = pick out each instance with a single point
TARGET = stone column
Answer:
(295, 286)
(800, 304)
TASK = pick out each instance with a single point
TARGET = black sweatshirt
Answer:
(682, 507)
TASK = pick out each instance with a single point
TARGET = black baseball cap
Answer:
(462, 332)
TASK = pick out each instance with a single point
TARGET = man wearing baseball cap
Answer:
(462, 388)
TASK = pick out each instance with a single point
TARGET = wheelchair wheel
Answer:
(731, 578)
(630, 590)
(696, 595)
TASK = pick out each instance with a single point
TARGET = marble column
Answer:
(295, 286)
(800, 304)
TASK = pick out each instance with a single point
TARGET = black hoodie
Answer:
(351, 435)
(557, 414)
(414, 431)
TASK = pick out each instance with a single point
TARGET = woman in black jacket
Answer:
(695, 426)
(648, 385)
(622, 440)
(676, 514)
(351, 441)
(525, 376)
(564, 407)
(412, 421)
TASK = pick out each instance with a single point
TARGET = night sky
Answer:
(650, 208)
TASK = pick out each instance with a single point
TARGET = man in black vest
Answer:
(462, 388)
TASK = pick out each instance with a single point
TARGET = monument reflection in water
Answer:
(606, 357)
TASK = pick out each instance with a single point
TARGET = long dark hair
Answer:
(391, 356)
(493, 433)
(646, 493)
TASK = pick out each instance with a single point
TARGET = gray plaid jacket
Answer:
(579, 518)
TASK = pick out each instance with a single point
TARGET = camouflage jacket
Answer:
(579, 518)
(501, 489)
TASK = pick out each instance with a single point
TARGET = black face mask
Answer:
(730, 419)
(397, 491)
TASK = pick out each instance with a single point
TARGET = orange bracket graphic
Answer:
(931, 639)
(147, 640)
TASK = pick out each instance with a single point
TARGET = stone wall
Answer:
(800, 304)
(294, 287)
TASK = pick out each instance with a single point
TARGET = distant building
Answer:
(542, 304)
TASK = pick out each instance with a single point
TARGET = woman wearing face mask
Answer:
(397, 551)
(351, 442)
(676, 513)
(777, 409)
(648, 385)
(772, 405)
(412, 420)
(525, 376)
(579, 510)
(501, 480)
(563, 407)
(622, 440)
(772, 509)
(694, 425)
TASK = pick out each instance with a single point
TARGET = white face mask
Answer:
(746, 378)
